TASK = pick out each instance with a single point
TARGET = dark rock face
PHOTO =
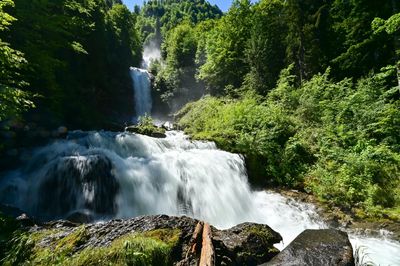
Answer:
(245, 244)
(317, 247)
(77, 183)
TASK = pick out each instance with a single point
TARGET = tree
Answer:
(392, 27)
(13, 99)
(307, 36)
(157, 18)
(71, 46)
(359, 51)
(226, 63)
(266, 46)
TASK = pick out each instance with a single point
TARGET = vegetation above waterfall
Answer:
(157, 18)
(308, 91)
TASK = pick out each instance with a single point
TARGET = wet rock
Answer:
(25, 220)
(77, 182)
(316, 247)
(80, 217)
(245, 244)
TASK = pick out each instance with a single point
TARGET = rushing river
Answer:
(118, 175)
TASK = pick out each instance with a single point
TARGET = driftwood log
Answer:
(207, 249)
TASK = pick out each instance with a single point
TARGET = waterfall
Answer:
(106, 175)
(142, 91)
(173, 176)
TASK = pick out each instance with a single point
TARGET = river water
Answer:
(119, 175)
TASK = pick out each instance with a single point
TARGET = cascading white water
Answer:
(290, 217)
(172, 176)
(121, 175)
(142, 91)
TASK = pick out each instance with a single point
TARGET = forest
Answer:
(307, 91)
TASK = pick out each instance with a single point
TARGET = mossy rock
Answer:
(58, 247)
(246, 244)
(148, 130)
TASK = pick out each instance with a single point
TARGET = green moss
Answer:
(49, 247)
(70, 242)
(393, 214)
(261, 233)
(146, 127)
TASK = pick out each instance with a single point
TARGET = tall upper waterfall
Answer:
(142, 91)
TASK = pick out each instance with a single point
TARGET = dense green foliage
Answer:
(13, 99)
(248, 47)
(79, 53)
(68, 58)
(252, 43)
(158, 17)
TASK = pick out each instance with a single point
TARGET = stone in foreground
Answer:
(316, 247)
(245, 244)
(147, 240)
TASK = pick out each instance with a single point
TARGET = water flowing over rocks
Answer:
(124, 175)
(98, 176)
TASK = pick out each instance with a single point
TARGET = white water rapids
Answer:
(145, 175)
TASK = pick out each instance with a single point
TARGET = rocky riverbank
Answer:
(164, 240)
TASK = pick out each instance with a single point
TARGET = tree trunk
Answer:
(207, 250)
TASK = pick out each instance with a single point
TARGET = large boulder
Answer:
(316, 247)
(245, 244)
(75, 184)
